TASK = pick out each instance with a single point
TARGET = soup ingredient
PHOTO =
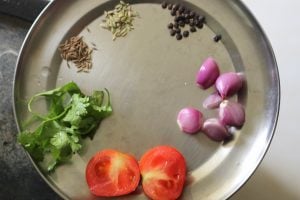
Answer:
(120, 20)
(172, 32)
(201, 19)
(112, 173)
(215, 130)
(212, 101)
(208, 73)
(70, 117)
(164, 5)
(217, 37)
(185, 33)
(163, 171)
(178, 36)
(170, 26)
(229, 83)
(232, 113)
(78, 52)
(190, 120)
(193, 29)
(182, 17)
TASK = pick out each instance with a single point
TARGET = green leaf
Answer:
(71, 116)
(74, 143)
(77, 110)
(60, 140)
(97, 98)
(55, 97)
(28, 140)
(100, 109)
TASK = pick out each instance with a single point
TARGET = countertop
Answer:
(277, 177)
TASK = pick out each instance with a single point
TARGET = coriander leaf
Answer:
(56, 106)
(77, 110)
(74, 143)
(60, 140)
(71, 116)
(86, 125)
(55, 97)
(51, 165)
(100, 111)
(97, 98)
(70, 88)
(28, 140)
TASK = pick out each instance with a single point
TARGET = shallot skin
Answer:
(229, 83)
(208, 73)
(190, 120)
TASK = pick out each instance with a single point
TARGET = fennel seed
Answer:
(120, 20)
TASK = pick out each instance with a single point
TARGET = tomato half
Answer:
(112, 173)
(163, 171)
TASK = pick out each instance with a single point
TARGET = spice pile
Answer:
(119, 21)
(77, 51)
(183, 17)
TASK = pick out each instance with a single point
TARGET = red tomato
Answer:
(163, 172)
(111, 173)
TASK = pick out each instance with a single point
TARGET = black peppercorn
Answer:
(187, 11)
(199, 25)
(170, 26)
(177, 19)
(178, 36)
(170, 6)
(196, 21)
(193, 29)
(192, 23)
(178, 30)
(175, 7)
(172, 32)
(185, 33)
(181, 9)
(173, 12)
(186, 21)
(181, 23)
(192, 14)
(201, 19)
(164, 5)
(217, 37)
(176, 25)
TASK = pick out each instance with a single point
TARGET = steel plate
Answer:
(151, 77)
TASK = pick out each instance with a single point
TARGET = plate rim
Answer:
(45, 12)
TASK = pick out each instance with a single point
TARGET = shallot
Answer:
(215, 130)
(212, 101)
(229, 83)
(190, 120)
(208, 73)
(232, 113)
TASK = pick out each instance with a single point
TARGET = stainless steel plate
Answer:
(151, 77)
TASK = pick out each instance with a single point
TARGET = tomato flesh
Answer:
(163, 171)
(112, 173)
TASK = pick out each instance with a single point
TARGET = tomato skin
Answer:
(111, 173)
(163, 171)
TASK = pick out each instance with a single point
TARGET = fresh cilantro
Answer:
(71, 115)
